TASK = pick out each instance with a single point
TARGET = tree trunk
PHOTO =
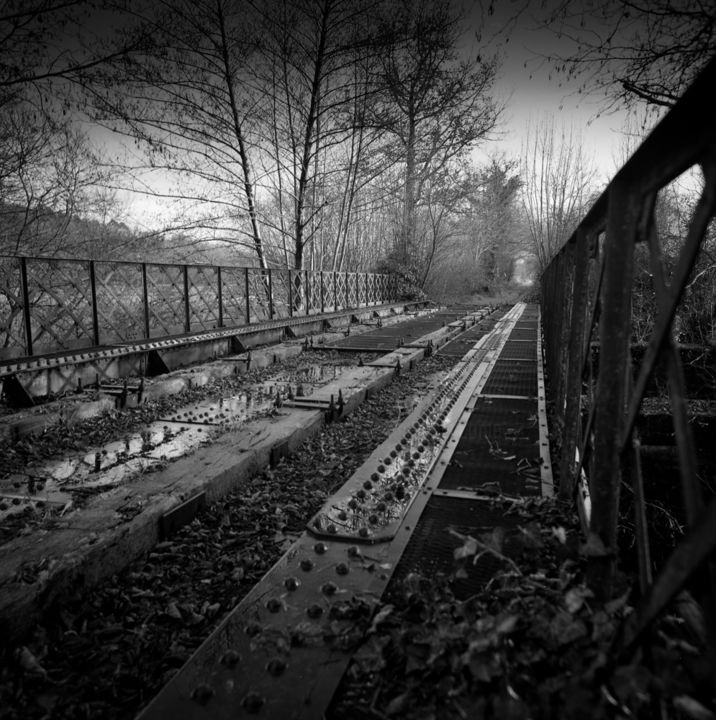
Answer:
(308, 138)
(243, 156)
(409, 199)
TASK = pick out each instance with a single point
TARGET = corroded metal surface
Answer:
(50, 304)
(621, 277)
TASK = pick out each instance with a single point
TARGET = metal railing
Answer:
(52, 305)
(592, 296)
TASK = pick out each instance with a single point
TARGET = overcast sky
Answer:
(530, 89)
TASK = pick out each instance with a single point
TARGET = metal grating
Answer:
(518, 350)
(513, 377)
(368, 342)
(524, 334)
(459, 346)
(531, 312)
(498, 451)
(432, 546)
(389, 338)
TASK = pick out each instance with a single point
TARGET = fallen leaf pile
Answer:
(532, 643)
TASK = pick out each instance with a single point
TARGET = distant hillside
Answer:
(45, 232)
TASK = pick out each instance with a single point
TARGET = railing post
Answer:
(575, 362)
(307, 293)
(290, 292)
(93, 293)
(26, 306)
(247, 296)
(614, 367)
(187, 324)
(220, 295)
(335, 291)
(270, 294)
(367, 291)
(323, 306)
(145, 300)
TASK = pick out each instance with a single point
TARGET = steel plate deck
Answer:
(467, 339)
(281, 653)
(391, 337)
(372, 504)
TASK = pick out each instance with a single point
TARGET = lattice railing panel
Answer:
(298, 291)
(362, 289)
(280, 282)
(313, 292)
(61, 304)
(233, 292)
(120, 301)
(382, 293)
(165, 287)
(329, 297)
(351, 290)
(259, 302)
(341, 290)
(630, 284)
(370, 290)
(66, 310)
(203, 297)
(12, 333)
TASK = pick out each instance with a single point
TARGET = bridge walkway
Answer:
(481, 434)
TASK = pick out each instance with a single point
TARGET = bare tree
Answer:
(185, 99)
(558, 184)
(313, 71)
(48, 46)
(634, 51)
(434, 105)
(49, 175)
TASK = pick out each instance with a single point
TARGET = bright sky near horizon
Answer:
(531, 90)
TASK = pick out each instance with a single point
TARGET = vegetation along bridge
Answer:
(286, 494)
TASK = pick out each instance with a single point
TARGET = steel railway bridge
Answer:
(69, 323)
